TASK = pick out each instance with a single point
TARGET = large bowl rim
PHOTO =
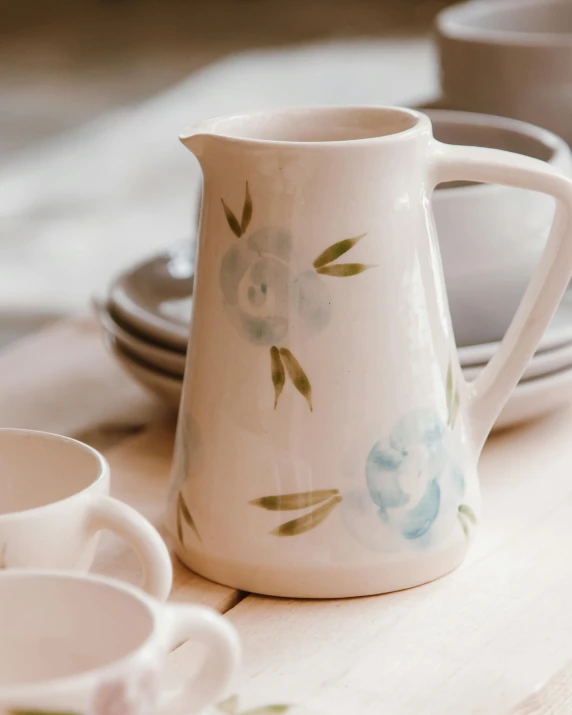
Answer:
(455, 23)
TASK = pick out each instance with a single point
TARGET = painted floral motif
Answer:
(231, 707)
(328, 499)
(3, 564)
(414, 482)
(265, 296)
(407, 471)
(466, 517)
(452, 397)
(188, 452)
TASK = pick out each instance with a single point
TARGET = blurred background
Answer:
(99, 200)
(63, 63)
(91, 176)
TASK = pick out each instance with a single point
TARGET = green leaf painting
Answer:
(452, 397)
(297, 375)
(328, 499)
(464, 526)
(278, 373)
(231, 707)
(289, 502)
(282, 364)
(246, 210)
(336, 250)
(232, 220)
(324, 265)
(449, 384)
(309, 521)
(183, 511)
(343, 270)
(238, 228)
(466, 511)
(3, 557)
(466, 518)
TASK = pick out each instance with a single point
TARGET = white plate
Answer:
(558, 333)
(542, 363)
(530, 399)
(155, 356)
(155, 298)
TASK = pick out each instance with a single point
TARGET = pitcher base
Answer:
(322, 582)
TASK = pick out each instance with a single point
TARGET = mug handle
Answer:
(487, 395)
(220, 663)
(105, 512)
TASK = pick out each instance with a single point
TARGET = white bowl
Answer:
(491, 237)
(511, 58)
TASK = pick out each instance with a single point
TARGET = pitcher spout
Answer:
(196, 141)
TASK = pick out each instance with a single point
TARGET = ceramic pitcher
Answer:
(327, 443)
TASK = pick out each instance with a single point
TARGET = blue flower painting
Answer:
(415, 485)
(404, 473)
(266, 298)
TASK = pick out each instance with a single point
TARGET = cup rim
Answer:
(212, 127)
(102, 474)
(84, 678)
(545, 137)
(456, 23)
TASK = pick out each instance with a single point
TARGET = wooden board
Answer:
(479, 641)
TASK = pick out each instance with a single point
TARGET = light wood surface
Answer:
(480, 641)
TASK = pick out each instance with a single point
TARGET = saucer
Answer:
(155, 297)
(166, 387)
(154, 355)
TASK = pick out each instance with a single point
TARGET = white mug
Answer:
(54, 501)
(84, 644)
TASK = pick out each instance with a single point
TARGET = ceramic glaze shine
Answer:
(327, 443)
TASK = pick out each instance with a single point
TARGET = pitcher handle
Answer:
(487, 395)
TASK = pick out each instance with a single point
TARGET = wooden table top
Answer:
(493, 637)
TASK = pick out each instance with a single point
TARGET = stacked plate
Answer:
(146, 324)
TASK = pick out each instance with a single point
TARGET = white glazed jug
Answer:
(327, 442)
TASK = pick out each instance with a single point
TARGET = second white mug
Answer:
(86, 645)
(54, 501)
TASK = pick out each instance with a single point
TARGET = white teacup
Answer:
(83, 644)
(54, 501)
